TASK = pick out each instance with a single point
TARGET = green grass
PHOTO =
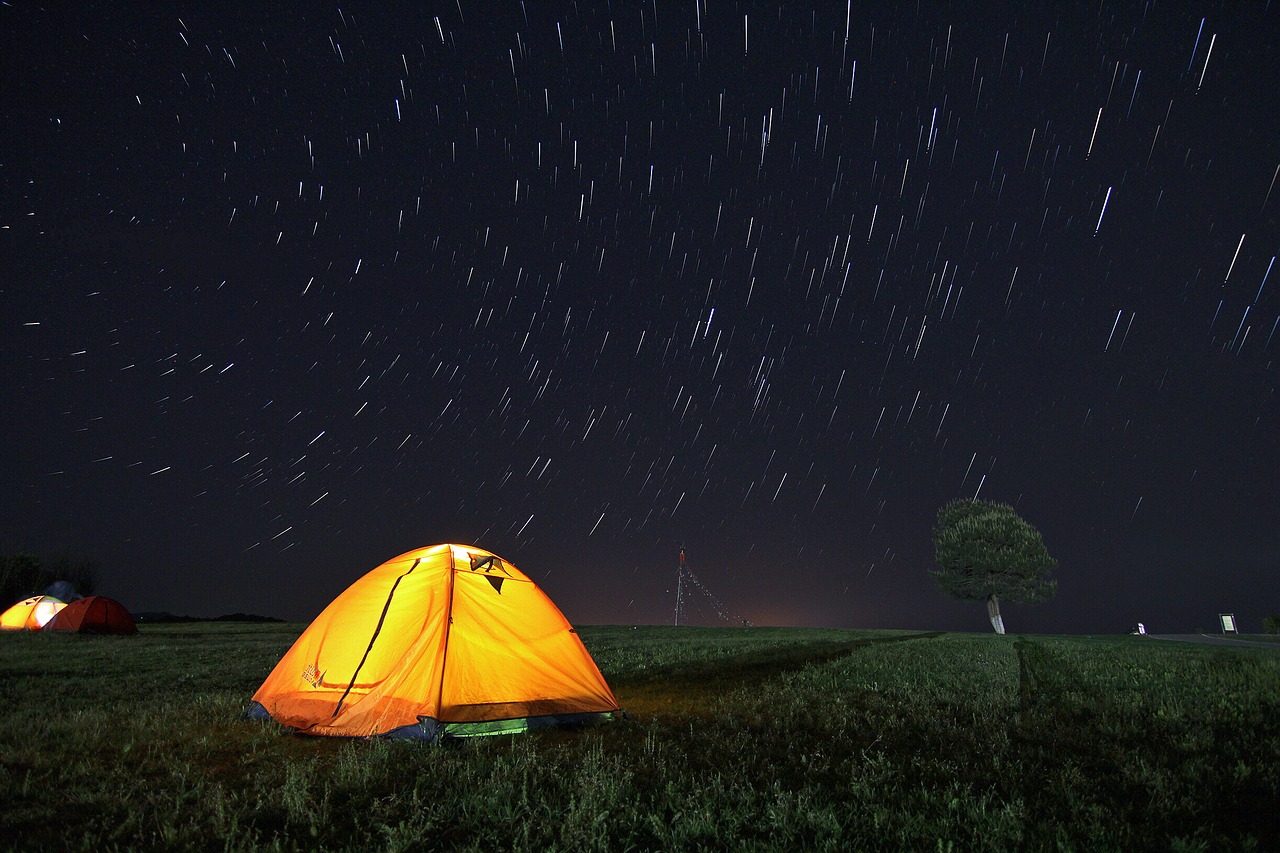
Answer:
(748, 738)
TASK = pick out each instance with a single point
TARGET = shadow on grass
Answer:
(1091, 753)
(683, 685)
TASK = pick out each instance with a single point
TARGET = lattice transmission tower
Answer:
(686, 577)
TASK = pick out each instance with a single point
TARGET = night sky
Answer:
(290, 289)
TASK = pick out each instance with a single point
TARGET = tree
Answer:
(23, 574)
(20, 575)
(985, 550)
(81, 573)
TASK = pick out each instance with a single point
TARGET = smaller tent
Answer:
(63, 591)
(96, 614)
(30, 614)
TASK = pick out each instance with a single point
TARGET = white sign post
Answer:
(1228, 623)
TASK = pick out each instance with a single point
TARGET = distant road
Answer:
(1215, 640)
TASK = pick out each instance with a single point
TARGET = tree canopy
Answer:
(985, 550)
(23, 574)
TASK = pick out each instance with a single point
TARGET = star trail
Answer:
(293, 288)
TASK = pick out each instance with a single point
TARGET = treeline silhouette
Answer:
(24, 574)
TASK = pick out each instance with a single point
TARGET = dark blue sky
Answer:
(293, 288)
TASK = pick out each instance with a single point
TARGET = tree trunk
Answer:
(993, 613)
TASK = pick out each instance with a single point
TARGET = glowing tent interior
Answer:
(30, 614)
(444, 641)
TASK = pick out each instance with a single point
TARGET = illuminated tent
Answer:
(30, 614)
(96, 614)
(445, 641)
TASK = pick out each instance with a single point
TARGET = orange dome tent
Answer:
(96, 614)
(445, 641)
(30, 614)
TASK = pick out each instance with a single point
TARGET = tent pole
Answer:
(376, 631)
(448, 628)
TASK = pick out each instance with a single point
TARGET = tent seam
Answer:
(448, 629)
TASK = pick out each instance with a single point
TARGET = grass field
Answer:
(737, 738)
